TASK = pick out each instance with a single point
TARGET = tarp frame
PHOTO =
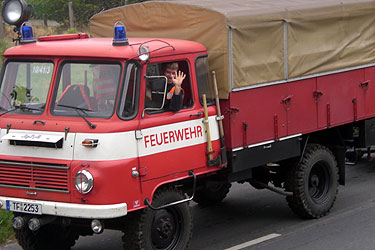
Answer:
(230, 52)
(285, 26)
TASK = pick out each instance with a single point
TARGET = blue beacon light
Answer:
(119, 34)
(27, 35)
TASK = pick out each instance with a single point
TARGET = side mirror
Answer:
(156, 90)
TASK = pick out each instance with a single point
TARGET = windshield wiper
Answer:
(21, 107)
(7, 111)
(77, 109)
(24, 107)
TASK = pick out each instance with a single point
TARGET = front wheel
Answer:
(47, 237)
(314, 183)
(165, 229)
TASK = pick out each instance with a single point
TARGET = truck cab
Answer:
(86, 135)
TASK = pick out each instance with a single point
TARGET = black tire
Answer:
(314, 183)
(47, 237)
(213, 192)
(167, 229)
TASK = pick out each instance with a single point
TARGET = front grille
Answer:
(34, 176)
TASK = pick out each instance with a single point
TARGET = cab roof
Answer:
(103, 47)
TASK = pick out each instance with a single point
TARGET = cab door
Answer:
(171, 142)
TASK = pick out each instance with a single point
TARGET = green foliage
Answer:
(71, 31)
(21, 95)
(4, 44)
(58, 9)
(6, 230)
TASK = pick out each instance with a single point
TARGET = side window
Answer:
(161, 97)
(204, 80)
(128, 102)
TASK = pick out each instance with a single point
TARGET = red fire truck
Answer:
(86, 141)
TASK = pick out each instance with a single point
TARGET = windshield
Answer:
(24, 87)
(88, 87)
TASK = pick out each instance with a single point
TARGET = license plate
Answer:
(24, 207)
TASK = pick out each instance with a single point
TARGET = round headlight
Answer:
(84, 181)
(16, 12)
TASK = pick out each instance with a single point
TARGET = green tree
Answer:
(83, 9)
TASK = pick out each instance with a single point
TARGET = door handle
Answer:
(364, 84)
(286, 99)
(199, 114)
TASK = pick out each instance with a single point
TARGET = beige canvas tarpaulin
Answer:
(251, 42)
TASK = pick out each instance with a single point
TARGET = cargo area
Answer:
(257, 43)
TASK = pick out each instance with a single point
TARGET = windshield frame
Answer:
(138, 87)
(58, 81)
(20, 109)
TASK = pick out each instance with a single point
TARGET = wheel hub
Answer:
(165, 228)
(314, 181)
(319, 182)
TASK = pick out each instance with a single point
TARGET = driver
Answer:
(175, 94)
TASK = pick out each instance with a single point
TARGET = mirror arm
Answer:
(165, 93)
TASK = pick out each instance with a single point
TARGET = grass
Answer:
(6, 230)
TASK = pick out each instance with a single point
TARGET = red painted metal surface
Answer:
(90, 48)
(113, 182)
(58, 180)
(365, 94)
(34, 175)
(258, 108)
(302, 112)
(338, 90)
(63, 37)
(299, 107)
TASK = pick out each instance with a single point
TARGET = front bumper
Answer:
(73, 210)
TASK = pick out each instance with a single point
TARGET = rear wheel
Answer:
(314, 183)
(212, 192)
(165, 229)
